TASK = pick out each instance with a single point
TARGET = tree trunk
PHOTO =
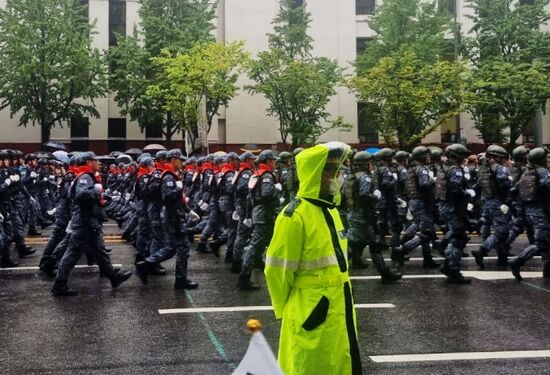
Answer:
(45, 135)
(169, 131)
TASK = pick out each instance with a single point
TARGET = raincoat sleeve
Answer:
(283, 259)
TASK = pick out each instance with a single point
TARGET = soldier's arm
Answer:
(456, 183)
(501, 177)
(282, 259)
(169, 190)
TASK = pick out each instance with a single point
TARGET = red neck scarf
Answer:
(262, 168)
(142, 171)
(244, 166)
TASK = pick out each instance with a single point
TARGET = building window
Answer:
(363, 7)
(80, 130)
(153, 131)
(362, 44)
(117, 20)
(117, 134)
(366, 129)
(450, 130)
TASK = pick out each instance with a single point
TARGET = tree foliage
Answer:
(404, 73)
(168, 27)
(49, 71)
(297, 85)
(207, 71)
(510, 58)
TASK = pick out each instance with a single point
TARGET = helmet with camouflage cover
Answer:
(385, 154)
(538, 155)
(420, 153)
(457, 151)
(402, 155)
(436, 152)
(520, 152)
(362, 157)
(495, 150)
(285, 155)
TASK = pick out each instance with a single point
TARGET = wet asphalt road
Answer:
(102, 331)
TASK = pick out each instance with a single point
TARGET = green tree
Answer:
(172, 26)
(405, 73)
(297, 86)
(412, 98)
(207, 72)
(510, 57)
(49, 71)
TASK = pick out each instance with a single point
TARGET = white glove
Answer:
(504, 209)
(471, 193)
(52, 211)
(279, 187)
(98, 188)
(409, 215)
(33, 174)
(377, 194)
(204, 206)
(235, 216)
(45, 179)
(14, 178)
(467, 176)
(127, 196)
(200, 202)
(193, 216)
(52, 177)
(431, 175)
(394, 175)
(115, 198)
(7, 182)
(402, 203)
(511, 178)
(470, 207)
(247, 223)
(179, 184)
(33, 200)
(1, 218)
(116, 192)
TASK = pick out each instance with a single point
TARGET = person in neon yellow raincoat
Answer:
(307, 272)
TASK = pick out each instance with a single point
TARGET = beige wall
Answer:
(334, 28)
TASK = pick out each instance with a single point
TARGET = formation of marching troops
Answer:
(396, 201)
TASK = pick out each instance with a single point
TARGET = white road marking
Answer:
(257, 308)
(35, 268)
(417, 259)
(467, 356)
(480, 275)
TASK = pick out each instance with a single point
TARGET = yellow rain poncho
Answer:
(307, 272)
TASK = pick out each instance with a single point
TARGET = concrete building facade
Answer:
(340, 29)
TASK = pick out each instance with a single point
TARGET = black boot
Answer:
(478, 256)
(47, 265)
(455, 277)
(187, 284)
(358, 264)
(235, 267)
(215, 247)
(33, 232)
(143, 268)
(546, 270)
(7, 263)
(201, 248)
(138, 258)
(228, 256)
(502, 260)
(429, 262)
(444, 268)
(46, 223)
(118, 277)
(390, 276)
(439, 246)
(157, 270)
(24, 251)
(60, 288)
(515, 267)
(245, 283)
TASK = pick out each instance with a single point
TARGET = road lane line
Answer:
(35, 268)
(466, 356)
(194, 310)
(480, 275)
(535, 286)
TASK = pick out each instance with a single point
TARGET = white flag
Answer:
(259, 359)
